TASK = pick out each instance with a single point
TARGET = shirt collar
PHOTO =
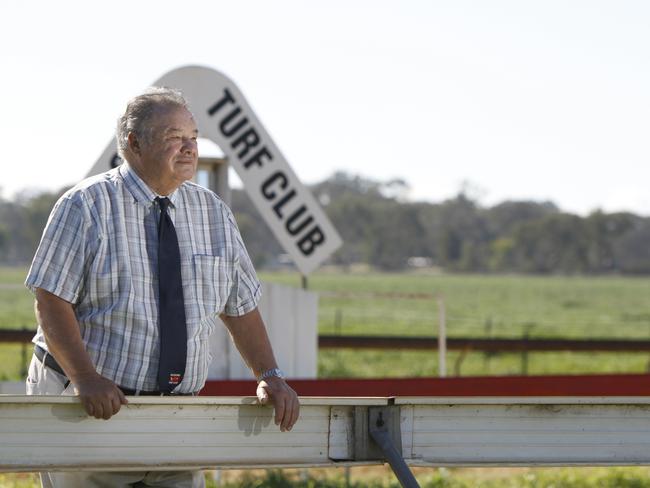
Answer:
(140, 190)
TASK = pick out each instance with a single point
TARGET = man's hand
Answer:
(100, 397)
(284, 399)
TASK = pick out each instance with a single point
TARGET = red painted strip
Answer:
(574, 385)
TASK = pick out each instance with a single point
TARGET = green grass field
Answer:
(407, 304)
(381, 477)
(504, 306)
(16, 312)
(16, 302)
(479, 306)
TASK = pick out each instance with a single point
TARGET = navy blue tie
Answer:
(171, 306)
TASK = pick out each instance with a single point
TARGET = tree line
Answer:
(381, 229)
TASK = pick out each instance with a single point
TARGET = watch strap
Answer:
(277, 372)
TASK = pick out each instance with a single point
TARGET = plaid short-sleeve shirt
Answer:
(99, 252)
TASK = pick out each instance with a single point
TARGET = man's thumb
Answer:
(262, 395)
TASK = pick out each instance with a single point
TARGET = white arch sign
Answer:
(224, 116)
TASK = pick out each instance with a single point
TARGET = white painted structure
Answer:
(291, 318)
(12, 387)
(54, 433)
(545, 431)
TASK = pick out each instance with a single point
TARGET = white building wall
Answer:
(291, 318)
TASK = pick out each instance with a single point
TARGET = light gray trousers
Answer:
(41, 380)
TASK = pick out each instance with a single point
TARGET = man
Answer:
(133, 268)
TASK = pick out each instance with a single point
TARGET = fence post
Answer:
(524, 353)
(442, 338)
(487, 355)
(338, 321)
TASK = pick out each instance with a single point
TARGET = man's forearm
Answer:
(100, 397)
(62, 335)
(249, 334)
(252, 341)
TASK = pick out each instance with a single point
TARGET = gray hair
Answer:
(139, 111)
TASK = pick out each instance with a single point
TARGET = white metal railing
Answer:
(53, 433)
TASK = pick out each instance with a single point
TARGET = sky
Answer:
(515, 100)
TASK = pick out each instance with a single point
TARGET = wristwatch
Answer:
(269, 373)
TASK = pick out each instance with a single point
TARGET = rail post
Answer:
(377, 435)
(442, 338)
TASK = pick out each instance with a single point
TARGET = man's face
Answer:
(170, 157)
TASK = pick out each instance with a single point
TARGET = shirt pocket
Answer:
(213, 282)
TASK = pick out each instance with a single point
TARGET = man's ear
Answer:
(134, 143)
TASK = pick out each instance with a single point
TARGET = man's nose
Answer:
(189, 146)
